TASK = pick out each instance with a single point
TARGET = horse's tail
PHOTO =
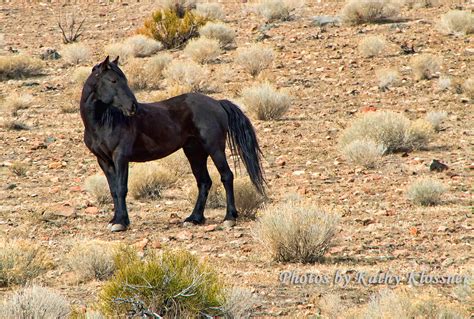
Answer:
(242, 140)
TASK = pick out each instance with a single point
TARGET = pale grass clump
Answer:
(247, 198)
(419, 134)
(18, 66)
(425, 66)
(468, 88)
(177, 163)
(117, 49)
(387, 78)
(436, 118)
(21, 261)
(15, 102)
(80, 75)
(364, 152)
(457, 22)
(19, 168)
(265, 102)
(239, 303)
(255, 58)
(444, 83)
(293, 232)
(34, 302)
(177, 5)
(202, 50)
(97, 186)
(416, 4)
(147, 74)
(187, 74)
(273, 10)
(141, 46)
(218, 31)
(371, 46)
(388, 303)
(210, 11)
(426, 192)
(92, 260)
(392, 130)
(369, 11)
(75, 53)
(148, 180)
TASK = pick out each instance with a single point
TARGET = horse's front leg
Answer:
(108, 168)
(120, 221)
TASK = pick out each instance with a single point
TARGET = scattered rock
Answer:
(210, 228)
(92, 210)
(184, 235)
(321, 21)
(49, 54)
(61, 211)
(140, 245)
(438, 166)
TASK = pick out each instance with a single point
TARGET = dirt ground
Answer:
(380, 230)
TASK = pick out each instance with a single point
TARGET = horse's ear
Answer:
(116, 60)
(105, 64)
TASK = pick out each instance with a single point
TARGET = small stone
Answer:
(184, 235)
(55, 165)
(156, 244)
(60, 210)
(298, 173)
(438, 166)
(140, 245)
(92, 210)
(210, 228)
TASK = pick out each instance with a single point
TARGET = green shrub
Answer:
(174, 284)
(170, 29)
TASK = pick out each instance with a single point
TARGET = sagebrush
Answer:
(426, 192)
(218, 31)
(364, 152)
(265, 102)
(210, 11)
(34, 302)
(202, 50)
(92, 259)
(255, 58)
(148, 180)
(387, 78)
(15, 102)
(369, 11)
(188, 74)
(371, 46)
(425, 66)
(21, 261)
(19, 66)
(75, 53)
(273, 10)
(436, 118)
(294, 232)
(457, 21)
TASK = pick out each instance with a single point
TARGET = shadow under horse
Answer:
(119, 130)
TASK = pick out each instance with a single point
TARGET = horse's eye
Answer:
(113, 81)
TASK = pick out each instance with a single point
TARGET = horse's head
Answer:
(111, 87)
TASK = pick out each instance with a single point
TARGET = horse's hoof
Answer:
(229, 223)
(117, 228)
(109, 226)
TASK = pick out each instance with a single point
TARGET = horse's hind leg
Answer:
(197, 157)
(227, 179)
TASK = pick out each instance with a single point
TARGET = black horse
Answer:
(119, 130)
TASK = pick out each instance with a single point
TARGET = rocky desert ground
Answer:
(330, 83)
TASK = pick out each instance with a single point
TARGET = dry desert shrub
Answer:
(255, 58)
(426, 192)
(202, 50)
(416, 4)
(141, 46)
(19, 168)
(468, 88)
(371, 46)
(265, 102)
(148, 180)
(273, 10)
(75, 53)
(436, 118)
(18, 66)
(387, 78)
(425, 66)
(444, 83)
(173, 284)
(92, 260)
(15, 102)
(176, 163)
(20, 261)
(218, 31)
(80, 75)
(97, 186)
(210, 11)
(364, 152)
(179, 6)
(34, 302)
(188, 74)
(457, 22)
(238, 303)
(216, 197)
(392, 130)
(247, 198)
(146, 74)
(117, 49)
(293, 232)
(369, 11)
(388, 303)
